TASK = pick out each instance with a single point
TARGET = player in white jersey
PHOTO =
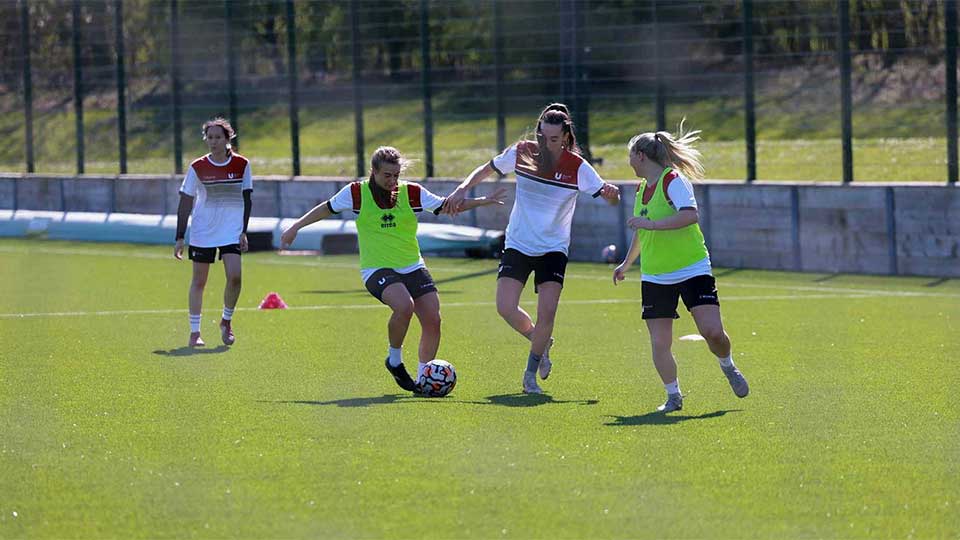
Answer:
(550, 173)
(216, 192)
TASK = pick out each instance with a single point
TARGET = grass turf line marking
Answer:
(724, 283)
(381, 306)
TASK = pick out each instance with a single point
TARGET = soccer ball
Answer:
(438, 378)
(609, 254)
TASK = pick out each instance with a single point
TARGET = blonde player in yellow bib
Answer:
(391, 266)
(674, 261)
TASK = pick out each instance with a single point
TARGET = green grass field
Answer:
(112, 429)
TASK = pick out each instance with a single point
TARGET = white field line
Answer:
(319, 307)
(440, 268)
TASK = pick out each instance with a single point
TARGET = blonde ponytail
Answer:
(675, 151)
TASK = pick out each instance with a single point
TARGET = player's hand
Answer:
(287, 238)
(244, 246)
(178, 250)
(637, 223)
(620, 273)
(498, 196)
(454, 203)
(610, 193)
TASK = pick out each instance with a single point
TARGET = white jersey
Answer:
(543, 208)
(217, 189)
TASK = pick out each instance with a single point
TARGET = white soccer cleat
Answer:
(530, 385)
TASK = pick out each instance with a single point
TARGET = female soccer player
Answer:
(549, 172)
(216, 192)
(390, 263)
(674, 260)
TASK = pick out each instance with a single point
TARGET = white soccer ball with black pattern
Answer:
(437, 379)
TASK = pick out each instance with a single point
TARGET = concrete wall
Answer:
(872, 228)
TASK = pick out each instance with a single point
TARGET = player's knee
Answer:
(198, 282)
(404, 310)
(431, 322)
(714, 334)
(234, 281)
(506, 310)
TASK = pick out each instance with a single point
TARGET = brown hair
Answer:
(556, 114)
(385, 154)
(227, 129)
(675, 151)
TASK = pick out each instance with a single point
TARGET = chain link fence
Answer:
(837, 90)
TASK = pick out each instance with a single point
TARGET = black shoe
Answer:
(401, 376)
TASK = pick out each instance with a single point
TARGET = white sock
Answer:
(420, 369)
(673, 388)
(726, 362)
(396, 356)
(195, 322)
(227, 313)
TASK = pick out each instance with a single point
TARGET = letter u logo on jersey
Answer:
(557, 176)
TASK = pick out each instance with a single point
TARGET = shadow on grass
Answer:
(191, 351)
(727, 272)
(531, 400)
(505, 400)
(658, 418)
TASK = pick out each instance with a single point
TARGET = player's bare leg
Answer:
(402, 306)
(231, 293)
(197, 283)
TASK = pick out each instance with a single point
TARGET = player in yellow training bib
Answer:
(391, 266)
(674, 262)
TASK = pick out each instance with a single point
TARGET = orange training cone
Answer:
(273, 301)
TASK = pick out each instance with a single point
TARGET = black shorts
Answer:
(660, 301)
(209, 254)
(547, 267)
(418, 283)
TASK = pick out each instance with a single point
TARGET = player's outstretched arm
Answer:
(497, 197)
(320, 211)
(457, 199)
(183, 214)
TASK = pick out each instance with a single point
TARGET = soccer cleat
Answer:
(401, 376)
(530, 385)
(674, 403)
(195, 340)
(226, 332)
(545, 364)
(736, 380)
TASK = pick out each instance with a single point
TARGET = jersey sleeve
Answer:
(343, 200)
(247, 177)
(588, 180)
(506, 162)
(681, 193)
(189, 185)
(431, 202)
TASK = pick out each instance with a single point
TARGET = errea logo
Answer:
(387, 221)
(643, 212)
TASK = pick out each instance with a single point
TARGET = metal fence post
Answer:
(749, 116)
(78, 85)
(950, 10)
(425, 83)
(892, 228)
(657, 69)
(231, 70)
(581, 89)
(121, 85)
(27, 86)
(845, 93)
(292, 75)
(357, 89)
(795, 228)
(498, 68)
(175, 72)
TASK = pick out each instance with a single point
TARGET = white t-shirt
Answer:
(681, 195)
(545, 201)
(217, 189)
(343, 200)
